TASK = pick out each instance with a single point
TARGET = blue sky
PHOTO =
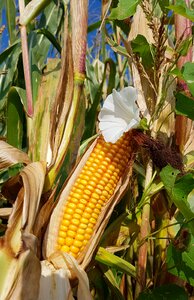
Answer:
(93, 16)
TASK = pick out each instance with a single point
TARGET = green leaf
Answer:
(181, 9)
(124, 9)
(50, 37)
(15, 119)
(184, 106)
(8, 65)
(168, 176)
(164, 292)
(39, 45)
(32, 10)
(179, 190)
(180, 255)
(117, 48)
(188, 75)
(116, 262)
(184, 46)
(141, 46)
(11, 20)
(163, 4)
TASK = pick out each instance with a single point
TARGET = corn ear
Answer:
(98, 197)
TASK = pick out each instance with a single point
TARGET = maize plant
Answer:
(96, 150)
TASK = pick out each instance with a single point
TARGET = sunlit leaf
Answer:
(144, 49)
(188, 75)
(182, 9)
(124, 9)
(184, 105)
(180, 255)
(179, 190)
(32, 10)
(116, 262)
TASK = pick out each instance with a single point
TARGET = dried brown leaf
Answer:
(10, 155)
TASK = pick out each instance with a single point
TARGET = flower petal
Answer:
(119, 114)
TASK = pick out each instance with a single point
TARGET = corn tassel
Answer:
(87, 196)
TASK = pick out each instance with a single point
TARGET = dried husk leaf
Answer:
(26, 206)
(10, 155)
(21, 276)
(53, 227)
(54, 283)
(5, 212)
(39, 131)
(140, 26)
(74, 271)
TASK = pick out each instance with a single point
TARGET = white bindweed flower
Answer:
(119, 114)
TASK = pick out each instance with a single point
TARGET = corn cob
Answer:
(92, 189)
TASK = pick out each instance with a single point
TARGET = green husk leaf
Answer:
(111, 260)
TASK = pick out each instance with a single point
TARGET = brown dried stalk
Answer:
(26, 65)
(183, 30)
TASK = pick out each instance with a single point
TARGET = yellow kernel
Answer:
(100, 172)
(69, 241)
(83, 225)
(97, 160)
(103, 168)
(85, 242)
(75, 195)
(72, 227)
(78, 211)
(77, 243)
(65, 248)
(84, 199)
(61, 241)
(74, 249)
(71, 205)
(84, 220)
(62, 234)
(91, 205)
(69, 211)
(80, 231)
(85, 177)
(71, 233)
(74, 200)
(93, 184)
(88, 172)
(81, 205)
(63, 228)
(92, 220)
(96, 196)
(73, 254)
(90, 187)
(87, 192)
(86, 215)
(93, 200)
(65, 222)
(84, 182)
(97, 211)
(80, 237)
(89, 230)
(87, 236)
(105, 193)
(77, 216)
(88, 210)
(100, 187)
(95, 216)
(75, 222)
(99, 206)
